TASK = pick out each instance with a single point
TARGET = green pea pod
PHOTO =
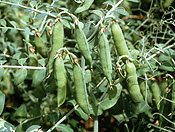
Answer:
(86, 5)
(40, 46)
(57, 43)
(142, 85)
(20, 76)
(119, 40)
(156, 93)
(173, 98)
(83, 44)
(105, 57)
(80, 88)
(61, 80)
(133, 86)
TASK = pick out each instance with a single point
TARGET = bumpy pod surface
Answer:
(83, 44)
(105, 56)
(133, 86)
(57, 43)
(61, 80)
(80, 88)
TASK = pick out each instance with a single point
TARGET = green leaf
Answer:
(21, 113)
(81, 113)
(22, 61)
(6, 126)
(38, 77)
(17, 55)
(20, 76)
(13, 23)
(33, 128)
(4, 30)
(164, 57)
(1, 72)
(108, 3)
(64, 128)
(41, 15)
(122, 11)
(98, 13)
(136, 1)
(42, 62)
(167, 67)
(2, 102)
(111, 97)
(86, 5)
(142, 107)
(3, 22)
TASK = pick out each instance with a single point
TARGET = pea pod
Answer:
(133, 86)
(40, 46)
(156, 93)
(143, 89)
(80, 88)
(105, 57)
(57, 42)
(119, 40)
(61, 80)
(83, 44)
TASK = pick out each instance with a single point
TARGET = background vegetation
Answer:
(28, 94)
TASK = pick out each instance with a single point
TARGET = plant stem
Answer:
(26, 67)
(95, 123)
(43, 22)
(64, 118)
(113, 8)
(12, 28)
(28, 8)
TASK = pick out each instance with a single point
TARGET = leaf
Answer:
(21, 113)
(111, 97)
(167, 67)
(13, 23)
(33, 3)
(1, 72)
(17, 55)
(86, 6)
(20, 76)
(27, 10)
(6, 126)
(22, 61)
(108, 3)
(136, 1)
(41, 15)
(42, 61)
(64, 128)
(38, 77)
(122, 11)
(2, 102)
(33, 128)
(4, 30)
(3, 22)
(98, 13)
(164, 57)
(81, 113)
(142, 107)
(27, 31)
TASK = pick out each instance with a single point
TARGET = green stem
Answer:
(95, 123)
(28, 8)
(25, 67)
(62, 119)
(149, 126)
(13, 28)
(113, 8)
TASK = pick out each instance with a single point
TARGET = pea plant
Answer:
(87, 65)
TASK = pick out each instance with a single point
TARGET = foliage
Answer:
(29, 89)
